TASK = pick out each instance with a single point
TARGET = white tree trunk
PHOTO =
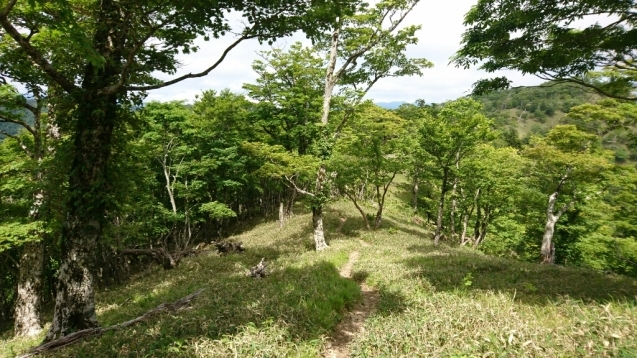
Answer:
(330, 81)
(28, 300)
(415, 193)
(317, 209)
(169, 186)
(547, 251)
(319, 231)
(465, 222)
(452, 214)
(549, 229)
(281, 215)
(28, 310)
(441, 207)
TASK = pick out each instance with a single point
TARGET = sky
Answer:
(439, 39)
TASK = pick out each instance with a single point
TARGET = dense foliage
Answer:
(96, 184)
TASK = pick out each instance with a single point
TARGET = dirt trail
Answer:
(352, 323)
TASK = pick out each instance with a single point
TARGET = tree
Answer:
(115, 50)
(491, 182)
(372, 37)
(539, 38)
(288, 91)
(567, 164)
(37, 141)
(447, 138)
(372, 150)
(414, 113)
(603, 116)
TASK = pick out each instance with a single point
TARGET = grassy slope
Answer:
(434, 301)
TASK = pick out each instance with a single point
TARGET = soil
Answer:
(352, 323)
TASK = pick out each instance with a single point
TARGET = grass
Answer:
(435, 301)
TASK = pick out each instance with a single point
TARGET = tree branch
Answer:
(190, 75)
(91, 332)
(587, 85)
(19, 122)
(35, 55)
(130, 59)
(566, 207)
(301, 191)
(20, 142)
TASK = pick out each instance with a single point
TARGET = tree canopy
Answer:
(542, 38)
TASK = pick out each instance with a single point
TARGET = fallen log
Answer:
(79, 335)
(162, 256)
(227, 247)
(260, 270)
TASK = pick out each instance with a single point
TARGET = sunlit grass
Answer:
(435, 301)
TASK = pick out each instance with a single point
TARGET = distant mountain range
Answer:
(390, 105)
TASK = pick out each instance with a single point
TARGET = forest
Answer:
(523, 191)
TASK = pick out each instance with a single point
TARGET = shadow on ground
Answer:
(307, 301)
(465, 270)
(304, 301)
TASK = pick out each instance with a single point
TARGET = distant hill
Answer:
(535, 110)
(13, 128)
(390, 105)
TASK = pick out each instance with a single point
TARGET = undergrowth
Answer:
(435, 301)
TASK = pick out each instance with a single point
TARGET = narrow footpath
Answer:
(352, 323)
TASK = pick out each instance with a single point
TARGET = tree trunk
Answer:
(352, 197)
(74, 305)
(319, 232)
(547, 251)
(281, 215)
(28, 312)
(96, 115)
(452, 214)
(414, 199)
(484, 224)
(465, 222)
(291, 199)
(29, 293)
(330, 81)
(381, 201)
(476, 228)
(441, 206)
(169, 185)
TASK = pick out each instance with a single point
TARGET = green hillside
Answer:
(429, 301)
(535, 110)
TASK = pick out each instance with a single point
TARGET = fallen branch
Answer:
(162, 256)
(79, 335)
(260, 270)
(228, 247)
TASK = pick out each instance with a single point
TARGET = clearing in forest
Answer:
(420, 301)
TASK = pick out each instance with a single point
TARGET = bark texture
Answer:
(27, 313)
(74, 304)
(96, 115)
(547, 251)
(319, 231)
(352, 197)
(29, 292)
(441, 207)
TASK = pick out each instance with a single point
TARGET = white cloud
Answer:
(442, 28)
(440, 36)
